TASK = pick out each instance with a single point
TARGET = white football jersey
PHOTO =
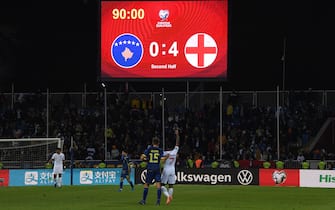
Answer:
(58, 159)
(171, 161)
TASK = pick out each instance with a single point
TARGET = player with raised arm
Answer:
(153, 155)
(169, 171)
(125, 170)
(57, 159)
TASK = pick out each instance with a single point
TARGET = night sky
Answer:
(55, 44)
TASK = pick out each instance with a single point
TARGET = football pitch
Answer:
(186, 197)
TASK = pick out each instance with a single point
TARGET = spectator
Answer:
(115, 153)
(90, 153)
(189, 162)
(322, 164)
(102, 164)
(279, 164)
(266, 164)
(199, 161)
(236, 164)
(300, 157)
(215, 164)
(305, 164)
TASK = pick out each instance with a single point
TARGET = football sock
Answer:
(165, 192)
(170, 191)
(131, 184)
(121, 185)
(145, 193)
(60, 181)
(159, 194)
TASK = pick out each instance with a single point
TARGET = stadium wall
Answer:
(4, 177)
(210, 176)
(111, 176)
(44, 177)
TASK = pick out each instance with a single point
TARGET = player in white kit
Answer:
(57, 159)
(169, 171)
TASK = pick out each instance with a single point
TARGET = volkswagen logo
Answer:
(245, 177)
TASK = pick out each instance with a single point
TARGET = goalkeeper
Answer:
(57, 159)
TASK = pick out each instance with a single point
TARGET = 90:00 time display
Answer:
(128, 14)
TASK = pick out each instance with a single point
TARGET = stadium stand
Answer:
(248, 130)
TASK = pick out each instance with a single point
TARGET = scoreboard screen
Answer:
(163, 39)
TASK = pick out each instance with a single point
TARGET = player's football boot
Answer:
(168, 200)
(142, 202)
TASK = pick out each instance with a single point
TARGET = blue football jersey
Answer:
(125, 162)
(154, 155)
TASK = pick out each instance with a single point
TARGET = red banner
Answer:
(4, 177)
(275, 177)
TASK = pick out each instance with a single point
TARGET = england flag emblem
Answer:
(200, 50)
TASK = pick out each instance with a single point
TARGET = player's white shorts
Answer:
(168, 177)
(58, 170)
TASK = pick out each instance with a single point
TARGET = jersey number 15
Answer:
(154, 158)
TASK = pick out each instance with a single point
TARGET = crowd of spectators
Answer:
(249, 132)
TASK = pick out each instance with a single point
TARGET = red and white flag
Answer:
(200, 50)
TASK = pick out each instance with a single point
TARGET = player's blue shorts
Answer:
(153, 175)
(124, 173)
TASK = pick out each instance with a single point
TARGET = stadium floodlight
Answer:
(103, 85)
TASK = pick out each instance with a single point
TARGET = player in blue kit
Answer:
(153, 155)
(125, 170)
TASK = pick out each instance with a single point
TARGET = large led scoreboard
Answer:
(163, 39)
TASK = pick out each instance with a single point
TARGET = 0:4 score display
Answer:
(156, 49)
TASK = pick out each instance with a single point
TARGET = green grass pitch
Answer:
(186, 197)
